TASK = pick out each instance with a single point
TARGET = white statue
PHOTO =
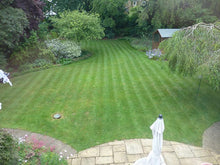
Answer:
(4, 79)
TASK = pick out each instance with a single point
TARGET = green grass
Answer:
(115, 94)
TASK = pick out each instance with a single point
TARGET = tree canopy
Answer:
(78, 26)
(112, 13)
(175, 14)
(196, 50)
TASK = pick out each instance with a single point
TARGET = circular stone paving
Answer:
(126, 152)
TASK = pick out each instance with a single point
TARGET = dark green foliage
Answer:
(3, 61)
(12, 24)
(43, 30)
(112, 13)
(8, 154)
(196, 50)
(173, 14)
(213, 6)
(5, 3)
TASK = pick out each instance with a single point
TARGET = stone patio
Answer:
(126, 152)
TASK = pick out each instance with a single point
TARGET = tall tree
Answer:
(13, 23)
(213, 6)
(112, 13)
(174, 13)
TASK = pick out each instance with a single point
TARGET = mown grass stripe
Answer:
(126, 83)
(149, 88)
(137, 108)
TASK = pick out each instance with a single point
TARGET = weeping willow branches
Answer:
(195, 50)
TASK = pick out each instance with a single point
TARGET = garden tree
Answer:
(213, 6)
(112, 13)
(174, 14)
(13, 23)
(86, 5)
(195, 50)
(76, 25)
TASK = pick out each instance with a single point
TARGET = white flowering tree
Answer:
(4, 79)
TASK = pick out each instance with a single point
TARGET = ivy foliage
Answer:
(195, 50)
(76, 25)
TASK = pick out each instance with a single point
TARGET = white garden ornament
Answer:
(155, 157)
(4, 79)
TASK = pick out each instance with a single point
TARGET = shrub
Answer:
(8, 154)
(141, 44)
(41, 63)
(64, 50)
(34, 151)
(75, 25)
(50, 158)
(12, 25)
(29, 55)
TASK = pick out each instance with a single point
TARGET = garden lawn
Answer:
(115, 94)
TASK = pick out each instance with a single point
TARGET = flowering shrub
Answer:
(34, 151)
(155, 53)
(27, 151)
(64, 50)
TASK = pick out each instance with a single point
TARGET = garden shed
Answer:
(160, 35)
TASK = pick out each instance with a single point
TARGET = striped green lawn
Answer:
(115, 94)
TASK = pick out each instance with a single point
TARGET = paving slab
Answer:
(104, 160)
(91, 152)
(183, 151)
(106, 151)
(120, 157)
(133, 147)
(88, 161)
